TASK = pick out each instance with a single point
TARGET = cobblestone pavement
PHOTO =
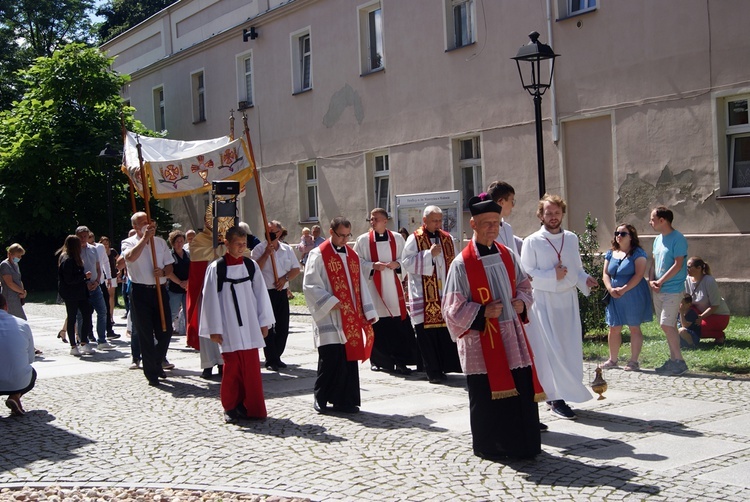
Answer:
(93, 422)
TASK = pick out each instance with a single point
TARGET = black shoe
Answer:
(343, 408)
(163, 375)
(221, 369)
(375, 368)
(154, 383)
(401, 369)
(206, 373)
(113, 336)
(543, 427)
(241, 412)
(322, 409)
(435, 380)
(272, 367)
(561, 409)
(231, 417)
(492, 457)
(281, 364)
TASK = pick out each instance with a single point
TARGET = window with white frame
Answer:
(381, 181)
(199, 97)
(309, 192)
(738, 144)
(160, 122)
(245, 81)
(470, 167)
(567, 8)
(371, 37)
(460, 23)
(301, 61)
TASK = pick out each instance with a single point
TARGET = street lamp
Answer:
(534, 53)
(104, 155)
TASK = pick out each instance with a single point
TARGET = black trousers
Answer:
(338, 379)
(439, 352)
(394, 343)
(71, 309)
(504, 427)
(25, 389)
(105, 294)
(153, 341)
(278, 335)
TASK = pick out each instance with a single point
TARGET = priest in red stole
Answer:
(487, 295)
(342, 312)
(379, 251)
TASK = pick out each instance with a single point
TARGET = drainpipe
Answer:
(553, 94)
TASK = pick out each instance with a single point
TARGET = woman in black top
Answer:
(178, 281)
(71, 285)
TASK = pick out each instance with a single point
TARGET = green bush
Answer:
(591, 307)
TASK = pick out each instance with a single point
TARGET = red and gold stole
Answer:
(432, 288)
(377, 275)
(352, 316)
(493, 349)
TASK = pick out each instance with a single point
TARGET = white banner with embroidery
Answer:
(179, 168)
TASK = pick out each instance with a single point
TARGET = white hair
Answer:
(431, 209)
(244, 226)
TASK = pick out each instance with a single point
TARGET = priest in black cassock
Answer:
(487, 295)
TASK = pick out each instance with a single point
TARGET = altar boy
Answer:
(236, 313)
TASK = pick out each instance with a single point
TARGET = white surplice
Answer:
(554, 328)
(218, 315)
(327, 326)
(386, 305)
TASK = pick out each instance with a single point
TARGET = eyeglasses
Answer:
(621, 234)
(342, 236)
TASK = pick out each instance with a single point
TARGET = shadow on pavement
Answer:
(618, 423)
(31, 438)
(285, 428)
(549, 470)
(378, 421)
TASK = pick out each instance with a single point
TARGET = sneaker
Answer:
(136, 365)
(678, 367)
(86, 348)
(609, 365)
(632, 366)
(113, 336)
(664, 368)
(561, 409)
(166, 365)
(106, 345)
(74, 351)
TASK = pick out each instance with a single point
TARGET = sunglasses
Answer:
(621, 234)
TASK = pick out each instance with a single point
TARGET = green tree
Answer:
(51, 179)
(121, 15)
(591, 307)
(35, 28)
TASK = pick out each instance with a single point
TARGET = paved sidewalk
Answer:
(91, 421)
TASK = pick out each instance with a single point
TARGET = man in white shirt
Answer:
(107, 275)
(90, 258)
(144, 307)
(17, 376)
(287, 268)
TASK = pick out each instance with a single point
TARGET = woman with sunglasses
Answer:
(630, 302)
(712, 310)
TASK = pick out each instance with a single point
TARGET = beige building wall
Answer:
(637, 116)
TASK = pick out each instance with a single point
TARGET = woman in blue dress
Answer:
(630, 303)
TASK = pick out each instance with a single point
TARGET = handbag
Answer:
(606, 298)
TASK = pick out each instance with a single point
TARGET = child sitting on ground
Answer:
(690, 330)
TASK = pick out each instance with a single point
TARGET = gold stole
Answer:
(432, 288)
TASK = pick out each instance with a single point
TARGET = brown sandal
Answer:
(61, 335)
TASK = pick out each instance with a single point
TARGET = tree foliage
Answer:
(121, 15)
(36, 28)
(51, 178)
(591, 307)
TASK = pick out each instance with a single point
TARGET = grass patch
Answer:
(46, 297)
(733, 358)
(298, 300)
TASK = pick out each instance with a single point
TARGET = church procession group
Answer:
(502, 311)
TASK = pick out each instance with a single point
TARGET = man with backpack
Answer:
(236, 313)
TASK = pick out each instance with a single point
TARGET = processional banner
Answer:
(178, 168)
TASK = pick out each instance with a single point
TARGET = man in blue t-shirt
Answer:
(667, 280)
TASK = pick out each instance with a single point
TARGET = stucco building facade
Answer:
(352, 102)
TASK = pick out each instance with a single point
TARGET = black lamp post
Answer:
(534, 53)
(104, 155)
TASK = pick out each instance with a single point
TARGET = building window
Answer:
(470, 167)
(245, 81)
(567, 8)
(309, 192)
(381, 181)
(301, 61)
(371, 37)
(160, 122)
(199, 97)
(738, 144)
(460, 23)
